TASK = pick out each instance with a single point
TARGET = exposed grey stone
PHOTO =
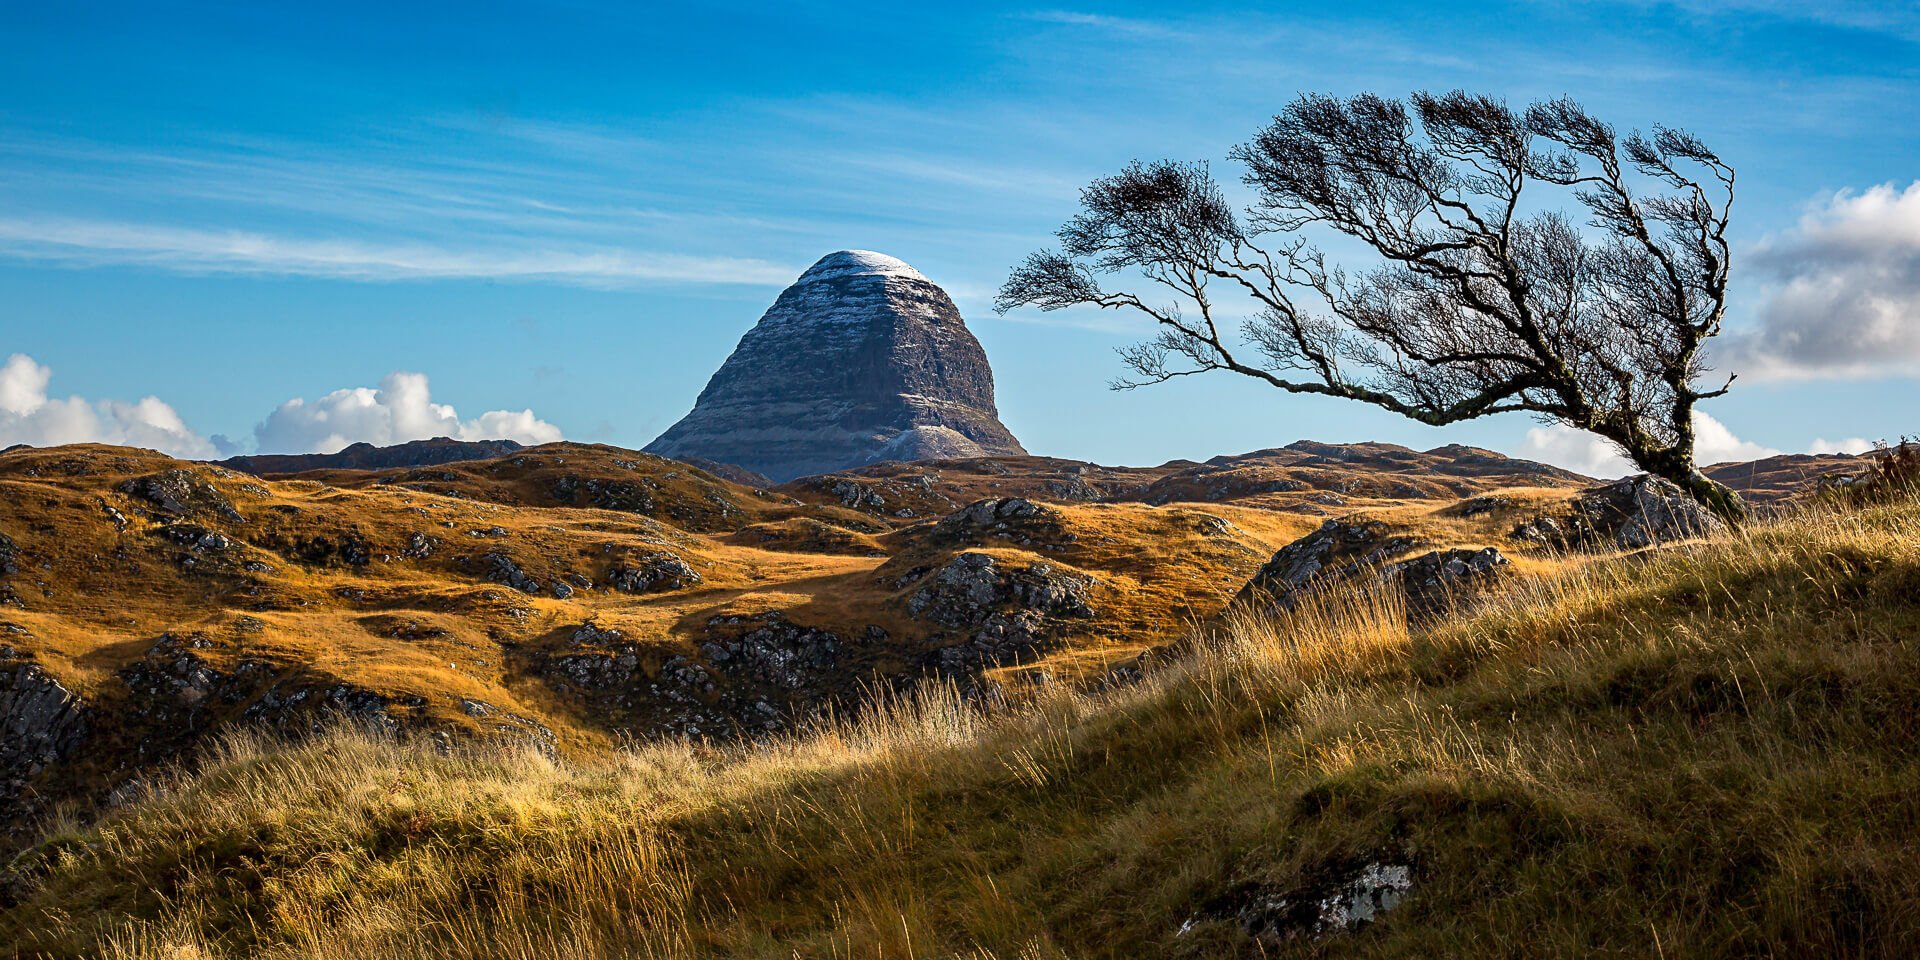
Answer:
(1338, 901)
(1008, 614)
(181, 493)
(861, 359)
(652, 573)
(1436, 582)
(503, 569)
(1337, 551)
(419, 547)
(1631, 513)
(42, 724)
(1012, 519)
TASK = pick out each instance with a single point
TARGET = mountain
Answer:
(861, 360)
(366, 456)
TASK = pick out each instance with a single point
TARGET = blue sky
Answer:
(576, 209)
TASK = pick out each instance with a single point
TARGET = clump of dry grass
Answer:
(1894, 476)
(1706, 750)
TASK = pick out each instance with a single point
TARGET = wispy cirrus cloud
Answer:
(1112, 24)
(192, 250)
(1895, 18)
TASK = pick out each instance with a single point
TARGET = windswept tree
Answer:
(1482, 298)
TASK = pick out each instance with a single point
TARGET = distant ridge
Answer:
(366, 456)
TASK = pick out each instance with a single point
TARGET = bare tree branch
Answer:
(1475, 306)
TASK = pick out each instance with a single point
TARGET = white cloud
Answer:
(28, 415)
(400, 409)
(1844, 293)
(1575, 450)
(1714, 443)
(1855, 445)
(1582, 452)
(189, 250)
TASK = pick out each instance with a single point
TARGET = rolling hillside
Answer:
(1699, 750)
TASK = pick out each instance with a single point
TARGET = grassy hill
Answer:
(583, 595)
(1697, 751)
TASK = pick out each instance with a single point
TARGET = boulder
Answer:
(1355, 550)
(1338, 551)
(653, 573)
(1435, 583)
(1629, 514)
(1005, 614)
(503, 569)
(1014, 520)
(1330, 901)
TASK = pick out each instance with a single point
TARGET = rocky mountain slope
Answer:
(862, 359)
(573, 595)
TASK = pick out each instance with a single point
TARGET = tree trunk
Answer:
(1710, 493)
(1717, 497)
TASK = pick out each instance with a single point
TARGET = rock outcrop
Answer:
(863, 359)
(42, 723)
(1333, 899)
(1338, 551)
(1352, 550)
(1635, 512)
(1006, 614)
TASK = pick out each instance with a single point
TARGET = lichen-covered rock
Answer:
(419, 546)
(752, 676)
(503, 569)
(181, 493)
(42, 723)
(653, 573)
(1631, 513)
(776, 653)
(973, 585)
(1338, 551)
(1357, 550)
(1334, 900)
(1008, 614)
(861, 359)
(626, 496)
(1014, 520)
(180, 691)
(852, 493)
(1438, 582)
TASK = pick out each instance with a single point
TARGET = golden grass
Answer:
(1707, 750)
